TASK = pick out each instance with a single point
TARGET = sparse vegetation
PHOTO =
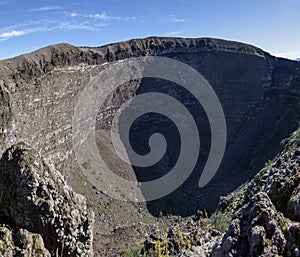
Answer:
(134, 251)
(219, 221)
(183, 236)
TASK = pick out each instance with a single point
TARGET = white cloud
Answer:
(45, 8)
(49, 25)
(14, 33)
(74, 14)
(8, 33)
(174, 33)
(80, 26)
(101, 16)
(177, 20)
(71, 21)
(172, 18)
(23, 26)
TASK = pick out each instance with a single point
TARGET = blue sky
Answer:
(28, 25)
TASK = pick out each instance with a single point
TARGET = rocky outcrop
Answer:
(35, 198)
(267, 222)
(260, 230)
(265, 211)
(279, 179)
(186, 239)
(21, 243)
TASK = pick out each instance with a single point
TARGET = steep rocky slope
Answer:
(266, 212)
(36, 198)
(258, 92)
(263, 216)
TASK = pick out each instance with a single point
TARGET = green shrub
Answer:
(134, 251)
(219, 221)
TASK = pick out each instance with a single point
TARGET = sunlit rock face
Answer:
(38, 93)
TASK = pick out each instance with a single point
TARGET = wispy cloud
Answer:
(45, 8)
(177, 20)
(174, 33)
(14, 33)
(80, 26)
(47, 26)
(68, 21)
(101, 16)
(172, 18)
(20, 26)
(8, 34)
(73, 14)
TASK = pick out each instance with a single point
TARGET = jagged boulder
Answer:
(35, 197)
(260, 230)
(21, 243)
